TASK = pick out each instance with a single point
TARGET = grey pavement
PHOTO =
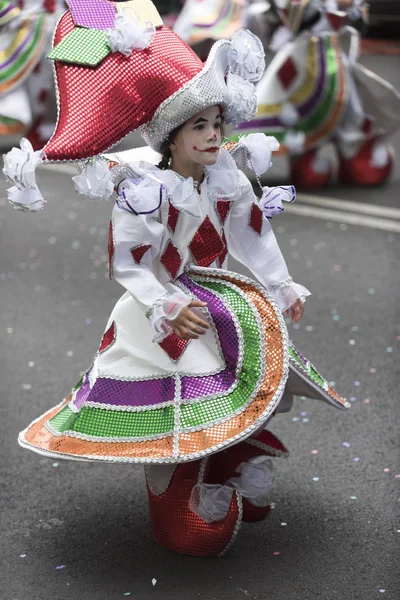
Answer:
(80, 531)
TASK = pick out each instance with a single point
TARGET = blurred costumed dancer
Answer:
(195, 359)
(27, 101)
(203, 22)
(314, 92)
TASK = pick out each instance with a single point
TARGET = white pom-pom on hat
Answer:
(289, 115)
(127, 36)
(246, 55)
(243, 100)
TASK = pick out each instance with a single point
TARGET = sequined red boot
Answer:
(224, 465)
(173, 523)
(372, 165)
(309, 172)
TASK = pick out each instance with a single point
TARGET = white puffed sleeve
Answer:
(252, 242)
(135, 241)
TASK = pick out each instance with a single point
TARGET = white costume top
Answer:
(155, 236)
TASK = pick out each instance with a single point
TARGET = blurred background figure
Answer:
(27, 98)
(314, 91)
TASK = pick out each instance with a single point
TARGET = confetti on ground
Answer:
(22, 555)
(55, 464)
(353, 497)
(355, 328)
(61, 567)
(382, 591)
(283, 524)
(9, 330)
(356, 459)
(337, 268)
(154, 581)
(314, 451)
(26, 386)
(346, 444)
(295, 419)
(303, 414)
(276, 553)
(389, 349)
(397, 476)
(127, 594)
(386, 470)
(367, 401)
(371, 291)
(305, 420)
(31, 363)
(352, 342)
(372, 370)
(357, 383)
(315, 478)
(69, 353)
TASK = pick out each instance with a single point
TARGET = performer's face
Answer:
(200, 137)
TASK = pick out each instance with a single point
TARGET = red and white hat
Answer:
(118, 69)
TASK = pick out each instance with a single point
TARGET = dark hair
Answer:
(165, 149)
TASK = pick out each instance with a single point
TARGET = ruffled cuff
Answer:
(287, 292)
(165, 310)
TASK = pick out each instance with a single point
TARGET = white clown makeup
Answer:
(197, 143)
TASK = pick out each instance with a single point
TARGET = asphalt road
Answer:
(81, 531)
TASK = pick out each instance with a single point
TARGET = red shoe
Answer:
(176, 527)
(305, 174)
(224, 465)
(361, 170)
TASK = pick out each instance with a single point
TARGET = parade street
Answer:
(80, 531)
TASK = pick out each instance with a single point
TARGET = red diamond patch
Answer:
(139, 251)
(222, 208)
(171, 259)
(173, 346)
(287, 73)
(173, 216)
(206, 244)
(224, 252)
(256, 218)
(111, 249)
(108, 338)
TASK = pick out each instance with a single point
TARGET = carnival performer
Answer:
(27, 99)
(315, 91)
(195, 359)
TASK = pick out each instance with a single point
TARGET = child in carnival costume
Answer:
(195, 359)
(314, 92)
(26, 78)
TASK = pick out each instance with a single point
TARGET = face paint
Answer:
(199, 140)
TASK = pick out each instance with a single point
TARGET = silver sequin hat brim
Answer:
(207, 88)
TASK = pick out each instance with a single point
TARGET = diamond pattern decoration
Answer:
(108, 338)
(173, 346)
(111, 250)
(206, 244)
(256, 218)
(139, 251)
(173, 216)
(94, 14)
(82, 47)
(222, 208)
(171, 259)
(287, 73)
(222, 256)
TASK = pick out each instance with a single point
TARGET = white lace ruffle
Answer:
(260, 148)
(127, 36)
(272, 198)
(95, 181)
(162, 313)
(246, 55)
(210, 502)
(255, 480)
(243, 100)
(20, 169)
(287, 295)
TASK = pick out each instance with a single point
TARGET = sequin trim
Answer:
(157, 304)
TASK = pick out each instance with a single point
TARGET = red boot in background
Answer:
(372, 165)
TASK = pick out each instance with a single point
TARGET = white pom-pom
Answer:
(128, 36)
(380, 156)
(272, 198)
(260, 148)
(20, 169)
(95, 181)
(289, 115)
(246, 55)
(210, 502)
(294, 141)
(243, 103)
